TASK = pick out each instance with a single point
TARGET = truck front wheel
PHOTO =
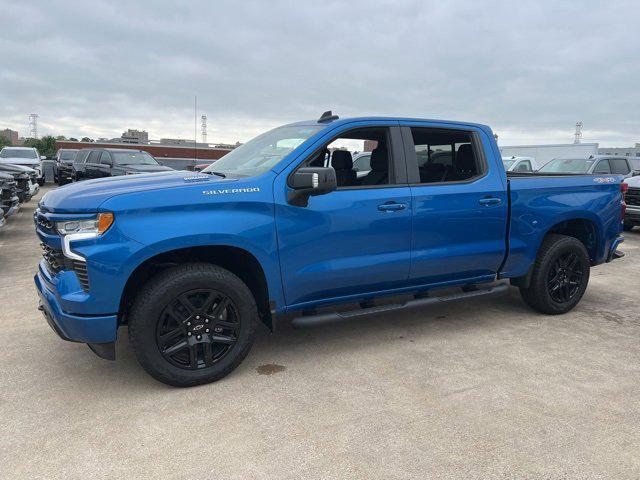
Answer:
(192, 324)
(560, 275)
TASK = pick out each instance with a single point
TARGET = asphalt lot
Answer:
(479, 389)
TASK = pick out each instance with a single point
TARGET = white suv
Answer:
(26, 156)
(632, 199)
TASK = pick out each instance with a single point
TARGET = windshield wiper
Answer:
(219, 174)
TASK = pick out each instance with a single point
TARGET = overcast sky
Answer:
(528, 69)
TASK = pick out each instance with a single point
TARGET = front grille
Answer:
(57, 262)
(23, 184)
(8, 193)
(54, 259)
(633, 196)
(45, 224)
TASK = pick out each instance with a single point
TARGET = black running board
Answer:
(311, 319)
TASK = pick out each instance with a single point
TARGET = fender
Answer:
(265, 258)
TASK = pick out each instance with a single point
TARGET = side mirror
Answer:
(42, 157)
(309, 182)
(635, 173)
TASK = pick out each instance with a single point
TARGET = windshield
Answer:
(508, 163)
(568, 165)
(18, 153)
(263, 152)
(67, 155)
(133, 158)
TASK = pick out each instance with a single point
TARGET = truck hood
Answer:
(20, 161)
(633, 182)
(88, 195)
(7, 167)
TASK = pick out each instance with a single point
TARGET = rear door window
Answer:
(94, 156)
(445, 155)
(619, 166)
(105, 158)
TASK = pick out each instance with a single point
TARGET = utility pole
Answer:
(33, 125)
(203, 130)
(578, 134)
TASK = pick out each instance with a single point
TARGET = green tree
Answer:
(5, 142)
(87, 139)
(46, 145)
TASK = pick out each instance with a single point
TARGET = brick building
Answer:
(10, 135)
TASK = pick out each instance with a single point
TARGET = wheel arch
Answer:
(583, 228)
(239, 261)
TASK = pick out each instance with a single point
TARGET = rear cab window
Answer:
(443, 156)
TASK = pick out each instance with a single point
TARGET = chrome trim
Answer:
(66, 244)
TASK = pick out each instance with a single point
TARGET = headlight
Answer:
(72, 230)
(96, 226)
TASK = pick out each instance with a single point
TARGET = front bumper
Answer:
(77, 328)
(13, 207)
(632, 215)
(34, 188)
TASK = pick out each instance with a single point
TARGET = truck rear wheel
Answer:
(560, 275)
(192, 324)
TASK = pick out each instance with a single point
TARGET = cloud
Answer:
(529, 69)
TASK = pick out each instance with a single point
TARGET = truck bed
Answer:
(544, 202)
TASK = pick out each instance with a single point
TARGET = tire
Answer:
(626, 227)
(171, 301)
(41, 181)
(555, 289)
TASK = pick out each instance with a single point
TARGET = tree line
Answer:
(46, 145)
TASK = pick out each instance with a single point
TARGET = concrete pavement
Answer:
(479, 389)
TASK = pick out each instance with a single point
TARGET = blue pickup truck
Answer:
(283, 228)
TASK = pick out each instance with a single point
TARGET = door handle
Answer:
(490, 201)
(391, 207)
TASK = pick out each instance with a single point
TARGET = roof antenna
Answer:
(327, 117)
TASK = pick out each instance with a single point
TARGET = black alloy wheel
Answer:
(565, 278)
(192, 324)
(560, 275)
(197, 329)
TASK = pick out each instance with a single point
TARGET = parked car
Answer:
(23, 177)
(632, 199)
(191, 262)
(9, 202)
(79, 163)
(362, 163)
(63, 166)
(111, 162)
(26, 156)
(519, 164)
(595, 164)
